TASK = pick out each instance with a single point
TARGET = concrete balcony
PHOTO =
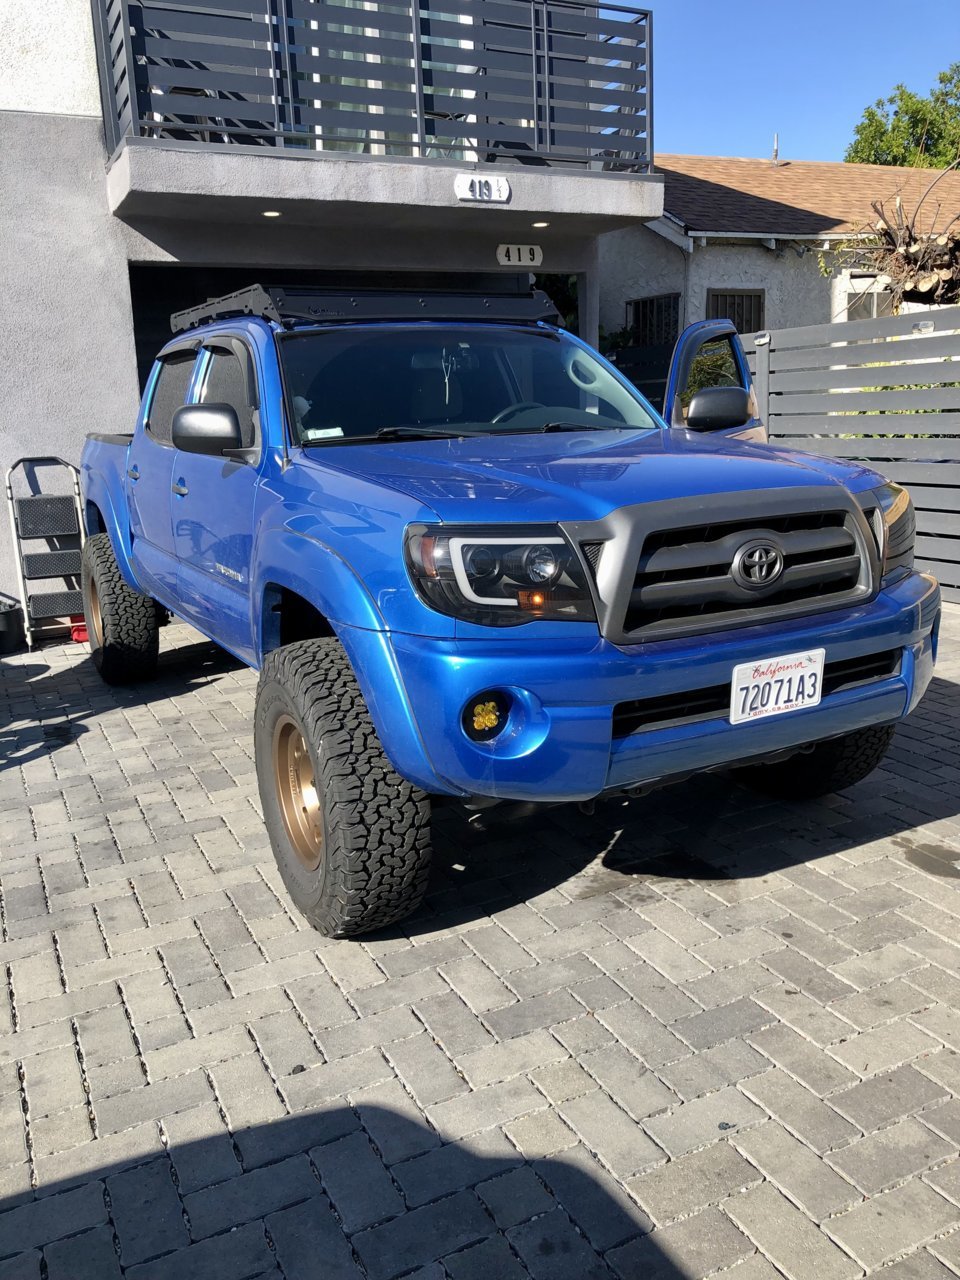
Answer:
(364, 116)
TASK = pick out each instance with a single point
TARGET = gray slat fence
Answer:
(885, 392)
(562, 82)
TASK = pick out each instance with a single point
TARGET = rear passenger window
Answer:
(224, 383)
(169, 394)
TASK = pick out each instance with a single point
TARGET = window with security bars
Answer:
(745, 307)
(654, 321)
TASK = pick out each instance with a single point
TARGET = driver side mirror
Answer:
(206, 428)
(717, 408)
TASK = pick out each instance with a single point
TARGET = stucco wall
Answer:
(69, 364)
(796, 293)
(47, 59)
(636, 263)
(639, 263)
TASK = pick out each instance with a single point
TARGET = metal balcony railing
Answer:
(537, 82)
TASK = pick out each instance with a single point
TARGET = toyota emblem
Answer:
(757, 564)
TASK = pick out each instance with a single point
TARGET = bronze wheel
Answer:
(96, 616)
(297, 792)
(122, 624)
(350, 835)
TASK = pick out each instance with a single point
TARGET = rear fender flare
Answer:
(97, 493)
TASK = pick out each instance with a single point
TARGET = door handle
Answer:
(133, 472)
(180, 490)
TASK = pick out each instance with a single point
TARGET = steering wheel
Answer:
(512, 410)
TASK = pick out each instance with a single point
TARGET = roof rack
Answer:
(336, 306)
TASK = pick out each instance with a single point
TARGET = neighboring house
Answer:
(153, 155)
(741, 238)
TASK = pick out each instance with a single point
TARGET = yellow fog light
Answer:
(485, 715)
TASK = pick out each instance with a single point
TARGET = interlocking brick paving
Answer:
(701, 1033)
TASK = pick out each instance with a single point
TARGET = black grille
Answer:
(714, 701)
(592, 550)
(684, 576)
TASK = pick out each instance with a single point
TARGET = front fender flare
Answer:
(311, 569)
(381, 683)
(320, 576)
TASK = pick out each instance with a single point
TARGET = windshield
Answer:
(426, 380)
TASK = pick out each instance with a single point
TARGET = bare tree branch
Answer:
(921, 266)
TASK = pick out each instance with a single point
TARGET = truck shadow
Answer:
(334, 1192)
(709, 828)
(46, 703)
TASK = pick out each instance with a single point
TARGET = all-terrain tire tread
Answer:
(377, 823)
(831, 766)
(131, 639)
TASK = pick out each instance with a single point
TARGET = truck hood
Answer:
(577, 475)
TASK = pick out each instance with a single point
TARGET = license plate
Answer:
(775, 685)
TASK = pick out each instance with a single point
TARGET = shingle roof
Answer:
(796, 197)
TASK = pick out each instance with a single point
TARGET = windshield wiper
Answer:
(575, 426)
(418, 433)
(445, 433)
(549, 427)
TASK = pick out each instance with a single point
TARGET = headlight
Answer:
(499, 577)
(895, 527)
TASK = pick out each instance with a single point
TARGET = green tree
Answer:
(906, 129)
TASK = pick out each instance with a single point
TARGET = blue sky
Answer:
(729, 73)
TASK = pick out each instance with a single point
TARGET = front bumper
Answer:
(559, 743)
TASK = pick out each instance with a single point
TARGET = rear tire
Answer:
(121, 623)
(351, 836)
(831, 766)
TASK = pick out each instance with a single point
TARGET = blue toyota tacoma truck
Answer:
(470, 560)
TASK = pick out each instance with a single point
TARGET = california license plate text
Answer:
(775, 685)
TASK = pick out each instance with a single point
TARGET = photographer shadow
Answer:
(337, 1193)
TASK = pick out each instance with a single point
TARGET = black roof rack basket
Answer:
(338, 306)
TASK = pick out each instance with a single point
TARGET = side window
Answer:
(169, 394)
(714, 365)
(224, 383)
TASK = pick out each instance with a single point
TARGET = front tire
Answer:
(121, 623)
(831, 766)
(350, 836)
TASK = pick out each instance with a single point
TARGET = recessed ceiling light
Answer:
(540, 224)
(271, 213)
